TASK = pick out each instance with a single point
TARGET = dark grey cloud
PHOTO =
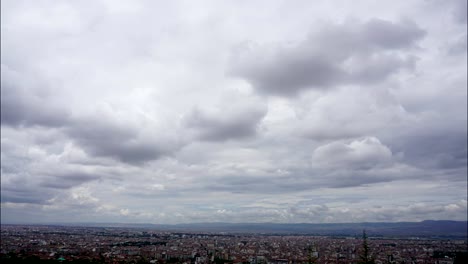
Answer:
(98, 137)
(353, 53)
(37, 178)
(26, 102)
(376, 68)
(387, 35)
(434, 148)
(219, 128)
(460, 11)
(307, 179)
(365, 166)
(103, 137)
(337, 165)
(69, 180)
(23, 193)
(458, 46)
(235, 119)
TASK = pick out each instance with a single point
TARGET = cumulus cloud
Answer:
(333, 116)
(352, 52)
(366, 153)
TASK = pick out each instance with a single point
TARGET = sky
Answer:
(279, 111)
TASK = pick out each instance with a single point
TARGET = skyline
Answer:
(231, 111)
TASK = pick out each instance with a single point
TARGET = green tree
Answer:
(312, 259)
(365, 257)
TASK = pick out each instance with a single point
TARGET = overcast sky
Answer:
(233, 111)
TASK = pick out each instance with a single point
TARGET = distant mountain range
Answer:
(428, 228)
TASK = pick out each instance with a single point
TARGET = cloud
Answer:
(365, 153)
(23, 194)
(352, 52)
(458, 46)
(417, 212)
(37, 179)
(68, 180)
(103, 137)
(100, 134)
(138, 108)
(333, 115)
(434, 147)
(25, 101)
(339, 164)
(236, 117)
(219, 126)
(459, 11)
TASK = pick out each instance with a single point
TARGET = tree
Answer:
(365, 257)
(312, 259)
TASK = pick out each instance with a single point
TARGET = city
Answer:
(36, 243)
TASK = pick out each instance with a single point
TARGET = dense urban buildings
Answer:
(41, 243)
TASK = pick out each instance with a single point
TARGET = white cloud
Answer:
(365, 153)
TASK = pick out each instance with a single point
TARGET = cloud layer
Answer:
(121, 111)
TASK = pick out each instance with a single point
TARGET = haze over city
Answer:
(233, 111)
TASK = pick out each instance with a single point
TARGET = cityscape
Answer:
(74, 244)
(234, 131)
